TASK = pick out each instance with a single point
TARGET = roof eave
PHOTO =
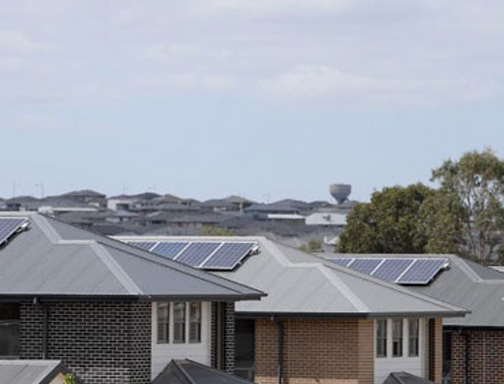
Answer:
(345, 315)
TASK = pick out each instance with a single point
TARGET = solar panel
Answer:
(196, 253)
(228, 256)
(391, 269)
(169, 249)
(342, 261)
(365, 265)
(9, 226)
(145, 245)
(422, 271)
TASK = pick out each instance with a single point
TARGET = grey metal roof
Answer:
(465, 284)
(301, 284)
(405, 378)
(53, 258)
(29, 371)
(191, 372)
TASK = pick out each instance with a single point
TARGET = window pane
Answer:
(413, 337)
(195, 322)
(163, 315)
(381, 338)
(9, 330)
(397, 338)
(179, 319)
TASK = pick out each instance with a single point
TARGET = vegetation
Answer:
(314, 245)
(69, 379)
(464, 215)
(213, 231)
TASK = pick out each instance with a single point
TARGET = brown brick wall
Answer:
(316, 351)
(486, 357)
(438, 351)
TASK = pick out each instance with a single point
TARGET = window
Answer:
(179, 320)
(9, 330)
(195, 322)
(381, 338)
(163, 323)
(397, 338)
(413, 337)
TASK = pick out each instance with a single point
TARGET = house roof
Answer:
(303, 285)
(30, 371)
(466, 284)
(405, 378)
(55, 259)
(84, 193)
(191, 372)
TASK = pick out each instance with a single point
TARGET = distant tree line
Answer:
(464, 215)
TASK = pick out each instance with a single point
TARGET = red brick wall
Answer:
(486, 357)
(438, 350)
(316, 351)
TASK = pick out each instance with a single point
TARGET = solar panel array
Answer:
(405, 271)
(9, 226)
(211, 255)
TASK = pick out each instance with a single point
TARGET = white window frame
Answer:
(170, 337)
(415, 337)
(385, 321)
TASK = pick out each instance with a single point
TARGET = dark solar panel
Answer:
(391, 269)
(145, 245)
(422, 271)
(169, 249)
(365, 265)
(342, 261)
(196, 253)
(228, 256)
(9, 226)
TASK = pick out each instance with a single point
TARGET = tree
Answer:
(69, 379)
(390, 223)
(477, 181)
(214, 231)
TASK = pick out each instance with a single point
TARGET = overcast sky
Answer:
(263, 98)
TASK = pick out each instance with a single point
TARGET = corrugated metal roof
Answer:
(53, 258)
(466, 284)
(301, 284)
(191, 372)
(29, 371)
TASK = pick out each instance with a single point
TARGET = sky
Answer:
(267, 99)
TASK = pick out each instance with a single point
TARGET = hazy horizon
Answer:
(278, 98)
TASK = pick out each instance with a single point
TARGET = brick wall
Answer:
(486, 357)
(223, 329)
(437, 357)
(316, 351)
(101, 342)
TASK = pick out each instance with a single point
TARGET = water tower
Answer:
(340, 192)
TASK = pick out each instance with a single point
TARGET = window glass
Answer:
(381, 338)
(413, 337)
(195, 322)
(397, 338)
(9, 330)
(179, 320)
(163, 326)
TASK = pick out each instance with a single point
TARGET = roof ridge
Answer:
(179, 267)
(339, 284)
(216, 371)
(398, 288)
(115, 268)
(50, 368)
(183, 371)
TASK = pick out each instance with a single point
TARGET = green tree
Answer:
(214, 231)
(477, 181)
(69, 379)
(390, 223)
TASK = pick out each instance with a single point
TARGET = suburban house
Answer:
(320, 322)
(109, 312)
(474, 344)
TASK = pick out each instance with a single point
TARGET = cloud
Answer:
(16, 42)
(304, 83)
